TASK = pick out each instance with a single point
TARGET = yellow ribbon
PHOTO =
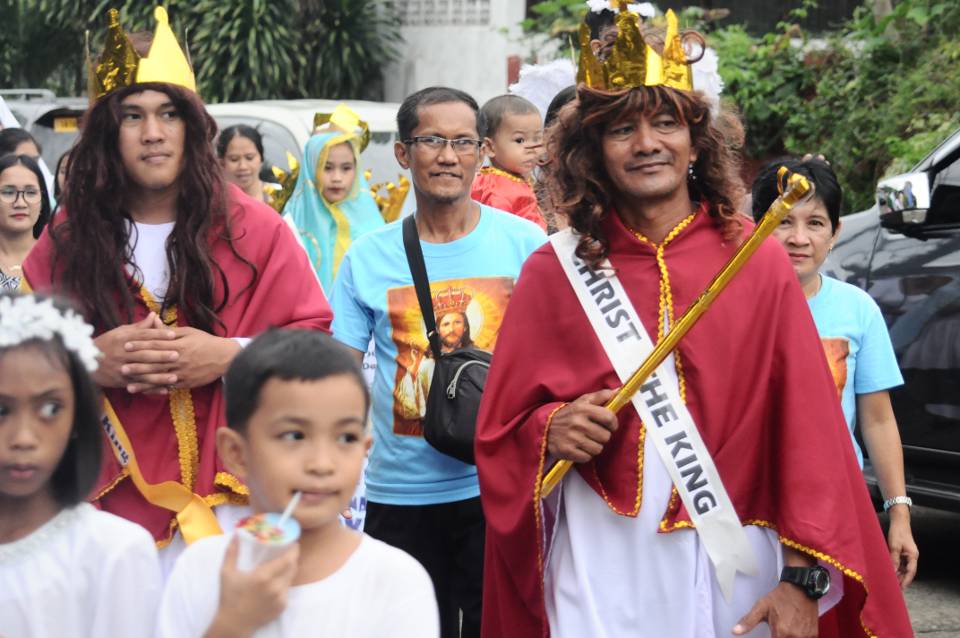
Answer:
(195, 517)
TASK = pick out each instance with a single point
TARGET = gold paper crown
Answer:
(451, 300)
(347, 120)
(288, 183)
(121, 66)
(633, 62)
(390, 204)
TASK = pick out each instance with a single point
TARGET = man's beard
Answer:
(445, 200)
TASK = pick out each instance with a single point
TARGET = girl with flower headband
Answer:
(66, 568)
(331, 205)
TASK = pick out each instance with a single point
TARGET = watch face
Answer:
(820, 581)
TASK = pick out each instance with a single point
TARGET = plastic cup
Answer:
(262, 539)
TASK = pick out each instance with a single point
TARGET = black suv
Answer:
(905, 252)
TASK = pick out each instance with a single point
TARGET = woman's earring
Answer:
(690, 174)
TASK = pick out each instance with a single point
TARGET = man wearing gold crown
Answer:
(726, 499)
(175, 268)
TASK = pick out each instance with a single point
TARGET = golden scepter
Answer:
(798, 187)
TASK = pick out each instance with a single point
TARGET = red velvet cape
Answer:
(504, 191)
(286, 293)
(757, 385)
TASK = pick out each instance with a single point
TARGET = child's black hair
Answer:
(560, 100)
(600, 20)
(78, 469)
(497, 108)
(301, 355)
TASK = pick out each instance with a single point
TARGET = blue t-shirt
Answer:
(471, 280)
(856, 343)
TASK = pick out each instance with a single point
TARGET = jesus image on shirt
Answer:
(453, 328)
(837, 349)
(468, 313)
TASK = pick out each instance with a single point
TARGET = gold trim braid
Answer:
(493, 170)
(537, 487)
(181, 407)
(231, 482)
(665, 314)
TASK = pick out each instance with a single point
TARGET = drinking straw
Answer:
(292, 505)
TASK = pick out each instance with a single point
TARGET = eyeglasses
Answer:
(9, 195)
(461, 145)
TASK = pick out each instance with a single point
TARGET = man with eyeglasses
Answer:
(420, 500)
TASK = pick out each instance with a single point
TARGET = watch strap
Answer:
(806, 579)
(795, 576)
(897, 500)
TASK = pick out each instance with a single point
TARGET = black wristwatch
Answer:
(814, 581)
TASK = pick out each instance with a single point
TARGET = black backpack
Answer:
(450, 423)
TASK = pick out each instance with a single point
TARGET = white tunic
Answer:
(85, 573)
(380, 591)
(611, 576)
(149, 245)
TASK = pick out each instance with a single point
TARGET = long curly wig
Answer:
(577, 183)
(92, 253)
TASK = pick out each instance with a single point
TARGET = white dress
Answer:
(380, 591)
(610, 576)
(85, 573)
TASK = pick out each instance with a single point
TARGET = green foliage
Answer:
(8, 39)
(768, 81)
(346, 44)
(247, 49)
(241, 49)
(557, 20)
(875, 97)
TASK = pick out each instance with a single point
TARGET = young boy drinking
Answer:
(513, 141)
(296, 406)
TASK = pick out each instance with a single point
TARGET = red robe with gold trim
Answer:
(286, 294)
(508, 192)
(757, 385)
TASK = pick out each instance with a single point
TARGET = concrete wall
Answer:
(456, 43)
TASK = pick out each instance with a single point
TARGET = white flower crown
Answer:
(24, 318)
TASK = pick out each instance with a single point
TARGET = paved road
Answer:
(934, 597)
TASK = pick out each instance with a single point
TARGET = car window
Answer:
(945, 199)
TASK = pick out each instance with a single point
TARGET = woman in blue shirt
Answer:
(855, 341)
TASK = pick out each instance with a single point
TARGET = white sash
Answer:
(659, 405)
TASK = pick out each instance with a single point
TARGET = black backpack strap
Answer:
(418, 268)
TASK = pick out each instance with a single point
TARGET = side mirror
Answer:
(903, 201)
